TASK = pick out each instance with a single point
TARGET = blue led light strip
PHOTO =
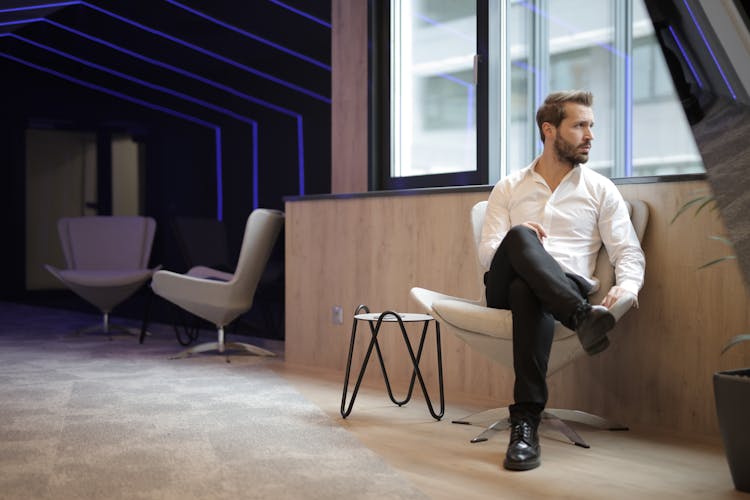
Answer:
(212, 83)
(255, 170)
(470, 92)
(469, 97)
(153, 86)
(250, 35)
(710, 51)
(214, 55)
(442, 26)
(685, 56)
(301, 13)
(570, 27)
(44, 6)
(524, 66)
(134, 79)
(247, 97)
(157, 107)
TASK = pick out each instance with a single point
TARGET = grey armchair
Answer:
(220, 297)
(107, 260)
(489, 330)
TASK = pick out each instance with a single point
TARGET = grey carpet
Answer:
(87, 417)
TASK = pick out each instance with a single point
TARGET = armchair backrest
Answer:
(107, 242)
(261, 231)
(477, 221)
(203, 241)
(604, 271)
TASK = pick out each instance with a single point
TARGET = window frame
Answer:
(492, 92)
(379, 109)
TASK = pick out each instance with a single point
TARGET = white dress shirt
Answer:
(584, 212)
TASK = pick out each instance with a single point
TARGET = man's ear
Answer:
(548, 129)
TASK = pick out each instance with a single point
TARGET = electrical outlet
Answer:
(337, 315)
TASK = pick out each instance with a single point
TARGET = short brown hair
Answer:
(553, 109)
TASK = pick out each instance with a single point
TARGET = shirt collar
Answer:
(529, 171)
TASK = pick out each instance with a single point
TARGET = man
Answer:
(542, 232)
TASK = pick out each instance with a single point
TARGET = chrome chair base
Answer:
(552, 417)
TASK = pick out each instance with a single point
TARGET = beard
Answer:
(568, 152)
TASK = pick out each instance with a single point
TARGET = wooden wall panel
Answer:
(373, 250)
(349, 96)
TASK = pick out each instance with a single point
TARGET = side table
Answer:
(375, 321)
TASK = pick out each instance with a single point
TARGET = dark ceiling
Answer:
(263, 65)
(262, 45)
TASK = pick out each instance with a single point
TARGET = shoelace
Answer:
(522, 432)
(580, 314)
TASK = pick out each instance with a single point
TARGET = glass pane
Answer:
(432, 96)
(663, 143)
(521, 131)
(582, 53)
(578, 38)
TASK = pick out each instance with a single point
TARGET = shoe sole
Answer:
(598, 347)
(599, 331)
(521, 466)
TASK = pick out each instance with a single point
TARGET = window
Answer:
(430, 134)
(607, 47)
(443, 122)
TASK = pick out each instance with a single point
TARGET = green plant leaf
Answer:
(700, 199)
(722, 239)
(737, 339)
(716, 261)
(709, 199)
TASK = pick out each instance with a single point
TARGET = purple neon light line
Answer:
(250, 35)
(219, 177)
(685, 56)
(524, 66)
(710, 51)
(247, 97)
(255, 170)
(300, 154)
(150, 85)
(197, 48)
(453, 79)
(134, 79)
(469, 98)
(156, 62)
(569, 27)
(301, 13)
(442, 26)
(44, 6)
(468, 86)
(126, 97)
(212, 54)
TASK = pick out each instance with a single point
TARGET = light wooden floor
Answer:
(438, 458)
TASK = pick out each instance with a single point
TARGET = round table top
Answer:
(405, 317)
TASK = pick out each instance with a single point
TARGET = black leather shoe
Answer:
(523, 451)
(592, 326)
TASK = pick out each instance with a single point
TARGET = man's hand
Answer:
(537, 228)
(614, 294)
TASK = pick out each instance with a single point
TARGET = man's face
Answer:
(573, 137)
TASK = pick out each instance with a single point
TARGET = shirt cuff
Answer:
(631, 287)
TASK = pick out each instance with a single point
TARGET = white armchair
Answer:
(489, 330)
(107, 260)
(220, 297)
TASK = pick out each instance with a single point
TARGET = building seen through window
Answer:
(607, 47)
